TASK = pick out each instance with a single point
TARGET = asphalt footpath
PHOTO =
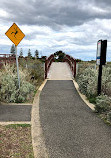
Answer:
(15, 113)
(70, 128)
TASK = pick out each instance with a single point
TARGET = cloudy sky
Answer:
(73, 26)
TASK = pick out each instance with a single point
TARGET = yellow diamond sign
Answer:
(15, 34)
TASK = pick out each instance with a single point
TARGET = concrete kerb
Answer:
(14, 122)
(38, 142)
(83, 97)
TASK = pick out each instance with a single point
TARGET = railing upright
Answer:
(75, 69)
(72, 63)
(45, 68)
(48, 63)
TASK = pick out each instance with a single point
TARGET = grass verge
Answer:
(16, 141)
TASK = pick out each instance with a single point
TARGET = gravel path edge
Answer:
(38, 142)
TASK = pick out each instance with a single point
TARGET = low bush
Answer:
(103, 103)
(9, 90)
(87, 81)
(106, 80)
(35, 70)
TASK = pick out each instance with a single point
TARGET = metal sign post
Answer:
(17, 66)
(101, 60)
(99, 79)
(15, 35)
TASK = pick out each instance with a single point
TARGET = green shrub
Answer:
(106, 80)
(102, 103)
(87, 81)
(10, 92)
(35, 70)
(30, 79)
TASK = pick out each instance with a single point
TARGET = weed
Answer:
(92, 100)
(17, 125)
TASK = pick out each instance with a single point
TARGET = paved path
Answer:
(70, 128)
(15, 113)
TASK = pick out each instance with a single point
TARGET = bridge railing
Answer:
(48, 63)
(72, 63)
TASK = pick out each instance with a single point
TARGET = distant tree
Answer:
(12, 50)
(21, 52)
(59, 56)
(93, 61)
(78, 60)
(43, 58)
(29, 53)
(37, 54)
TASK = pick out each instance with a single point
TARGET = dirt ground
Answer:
(15, 141)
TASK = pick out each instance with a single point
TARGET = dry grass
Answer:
(15, 141)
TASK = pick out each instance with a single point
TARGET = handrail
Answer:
(72, 63)
(48, 63)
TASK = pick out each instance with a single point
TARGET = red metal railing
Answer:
(6, 58)
(70, 60)
(72, 63)
(48, 63)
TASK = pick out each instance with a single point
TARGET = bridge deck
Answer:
(59, 71)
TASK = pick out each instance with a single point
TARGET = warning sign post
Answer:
(15, 35)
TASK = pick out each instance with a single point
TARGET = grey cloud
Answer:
(103, 3)
(52, 13)
(34, 34)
